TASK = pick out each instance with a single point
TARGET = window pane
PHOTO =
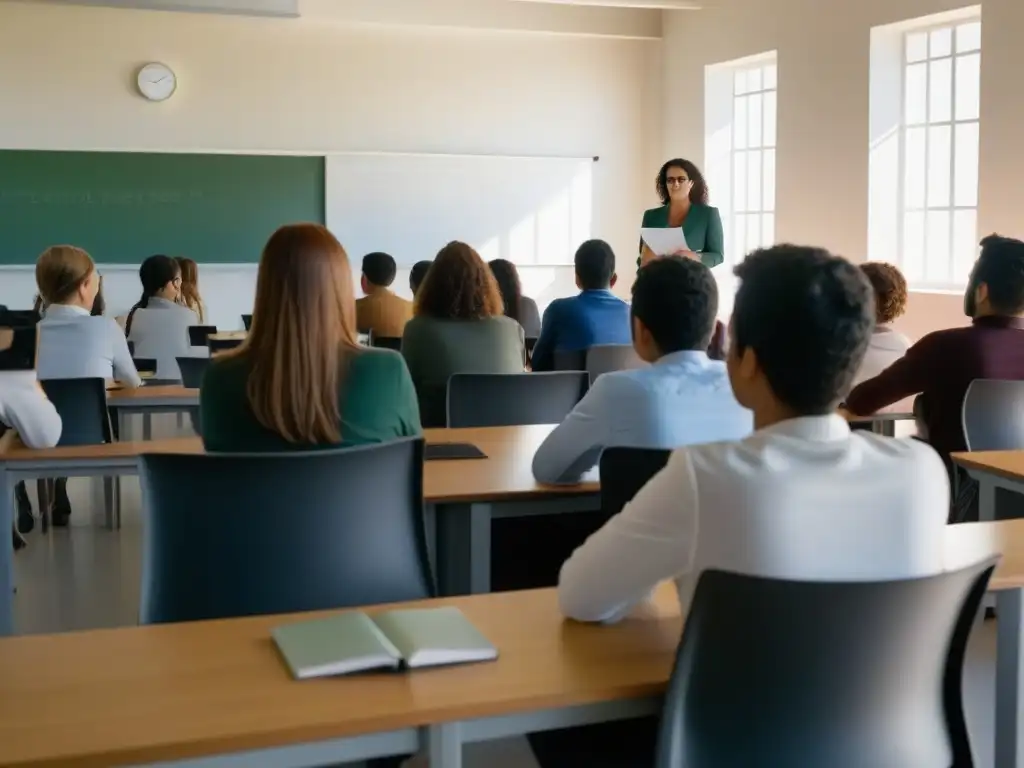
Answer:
(739, 122)
(940, 90)
(916, 47)
(768, 116)
(771, 74)
(739, 181)
(965, 165)
(754, 79)
(937, 247)
(753, 231)
(740, 82)
(754, 120)
(915, 94)
(768, 229)
(968, 37)
(942, 42)
(913, 246)
(739, 245)
(754, 181)
(914, 146)
(968, 86)
(965, 236)
(939, 165)
(769, 180)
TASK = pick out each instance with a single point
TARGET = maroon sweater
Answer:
(941, 366)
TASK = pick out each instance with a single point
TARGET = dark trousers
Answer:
(621, 744)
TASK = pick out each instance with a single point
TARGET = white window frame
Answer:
(952, 281)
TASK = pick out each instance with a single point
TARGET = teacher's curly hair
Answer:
(699, 190)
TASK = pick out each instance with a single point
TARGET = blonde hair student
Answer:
(189, 296)
(73, 343)
(301, 380)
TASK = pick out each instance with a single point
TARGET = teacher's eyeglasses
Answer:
(676, 181)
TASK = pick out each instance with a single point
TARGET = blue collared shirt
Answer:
(580, 322)
(73, 344)
(683, 399)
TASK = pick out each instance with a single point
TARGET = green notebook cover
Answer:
(339, 645)
(353, 642)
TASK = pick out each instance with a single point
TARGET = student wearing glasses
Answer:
(684, 203)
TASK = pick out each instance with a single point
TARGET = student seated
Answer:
(301, 380)
(158, 325)
(459, 327)
(380, 311)
(520, 308)
(189, 295)
(802, 498)
(681, 399)
(417, 275)
(887, 345)
(595, 316)
(941, 366)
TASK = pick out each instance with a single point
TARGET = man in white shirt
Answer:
(682, 398)
(801, 498)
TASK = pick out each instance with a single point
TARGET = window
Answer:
(930, 229)
(740, 141)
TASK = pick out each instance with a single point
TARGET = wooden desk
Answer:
(147, 400)
(185, 691)
(463, 496)
(173, 692)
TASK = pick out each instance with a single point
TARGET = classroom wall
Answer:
(822, 160)
(538, 81)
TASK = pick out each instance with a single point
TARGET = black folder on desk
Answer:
(444, 451)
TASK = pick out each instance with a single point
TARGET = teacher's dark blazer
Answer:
(702, 228)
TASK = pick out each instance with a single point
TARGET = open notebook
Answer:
(355, 642)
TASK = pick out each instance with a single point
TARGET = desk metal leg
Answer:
(444, 746)
(147, 426)
(463, 548)
(1009, 678)
(6, 555)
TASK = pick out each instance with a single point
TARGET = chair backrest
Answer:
(513, 399)
(82, 405)
(993, 415)
(385, 342)
(624, 471)
(198, 334)
(570, 359)
(606, 358)
(245, 534)
(192, 370)
(247, 322)
(220, 345)
(145, 365)
(807, 674)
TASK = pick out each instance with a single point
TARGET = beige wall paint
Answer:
(327, 83)
(822, 160)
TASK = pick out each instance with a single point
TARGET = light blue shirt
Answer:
(74, 345)
(682, 399)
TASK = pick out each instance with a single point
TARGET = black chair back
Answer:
(18, 318)
(513, 399)
(221, 345)
(198, 334)
(808, 674)
(82, 405)
(145, 365)
(624, 471)
(247, 322)
(192, 370)
(993, 415)
(570, 360)
(385, 342)
(239, 535)
(607, 358)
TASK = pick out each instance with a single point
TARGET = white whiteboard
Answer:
(531, 211)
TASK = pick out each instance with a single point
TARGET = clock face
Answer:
(157, 82)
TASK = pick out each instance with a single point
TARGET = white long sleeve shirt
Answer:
(803, 499)
(24, 407)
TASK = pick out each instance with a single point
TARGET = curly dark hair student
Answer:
(699, 190)
(459, 286)
(890, 290)
(808, 315)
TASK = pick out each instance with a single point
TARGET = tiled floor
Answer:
(86, 577)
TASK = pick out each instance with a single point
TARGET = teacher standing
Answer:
(684, 198)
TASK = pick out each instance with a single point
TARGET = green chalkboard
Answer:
(124, 206)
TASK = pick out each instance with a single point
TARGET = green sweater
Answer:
(377, 403)
(702, 228)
